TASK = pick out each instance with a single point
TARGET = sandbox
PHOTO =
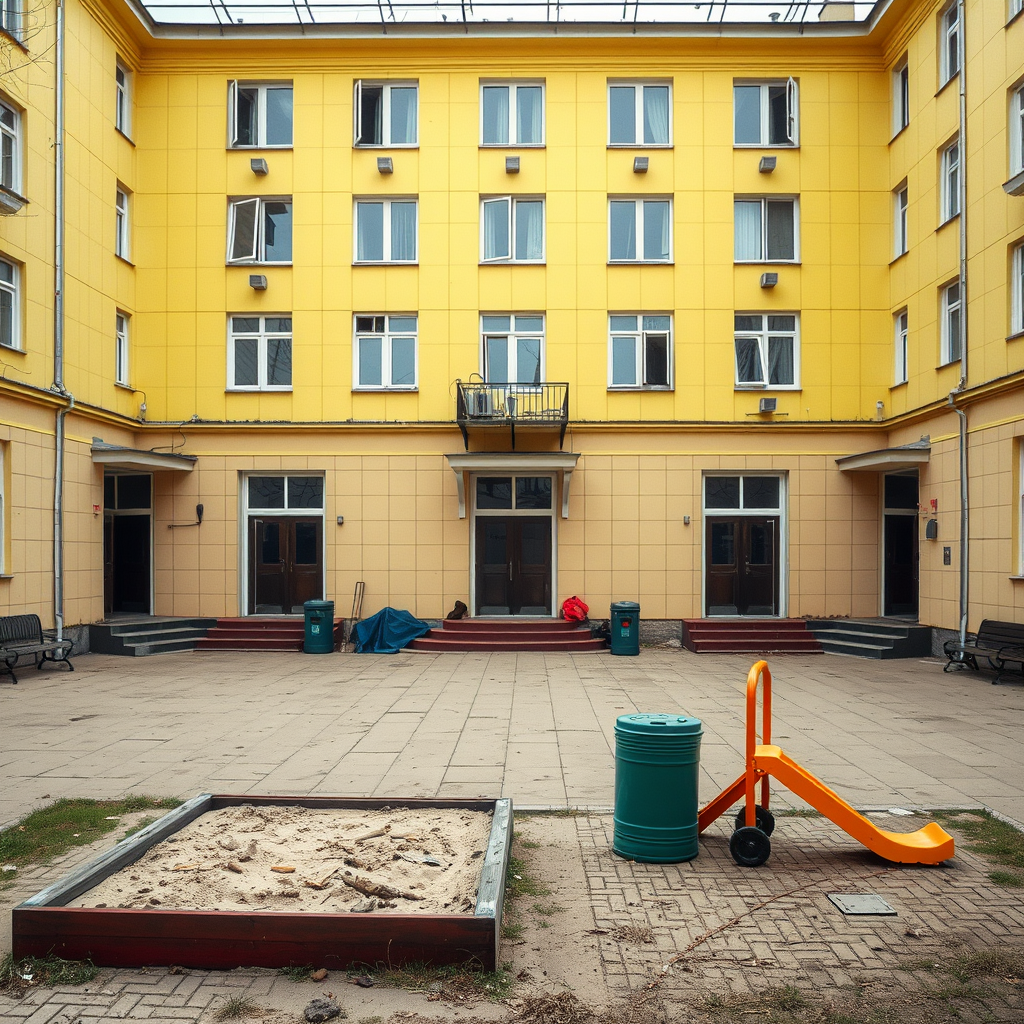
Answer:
(359, 886)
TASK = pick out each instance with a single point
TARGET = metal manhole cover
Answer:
(861, 903)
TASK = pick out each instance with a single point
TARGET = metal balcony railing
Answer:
(512, 405)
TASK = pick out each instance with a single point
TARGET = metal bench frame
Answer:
(22, 635)
(1000, 643)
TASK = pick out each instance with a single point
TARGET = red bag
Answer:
(573, 608)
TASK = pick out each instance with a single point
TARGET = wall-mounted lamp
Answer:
(931, 529)
(198, 522)
(511, 165)
(767, 164)
(769, 280)
(259, 165)
(384, 165)
(341, 520)
(258, 282)
(640, 164)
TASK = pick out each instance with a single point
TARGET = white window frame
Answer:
(388, 336)
(512, 220)
(640, 336)
(950, 180)
(12, 17)
(1016, 6)
(1016, 131)
(950, 37)
(13, 288)
(900, 229)
(388, 240)
(638, 202)
(123, 99)
(261, 88)
(792, 113)
(121, 348)
(122, 221)
(256, 253)
(262, 336)
(512, 334)
(762, 340)
(1017, 290)
(950, 340)
(764, 201)
(901, 322)
(385, 127)
(513, 112)
(900, 96)
(12, 137)
(639, 88)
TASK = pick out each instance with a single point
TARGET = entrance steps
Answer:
(487, 635)
(872, 638)
(137, 638)
(259, 634)
(749, 636)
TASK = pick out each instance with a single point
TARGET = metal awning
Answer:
(138, 460)
(889, 460)
(512, 462)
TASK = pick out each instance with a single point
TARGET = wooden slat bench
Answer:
(23, 635)
(999, 643)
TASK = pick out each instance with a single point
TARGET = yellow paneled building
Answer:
(724, 315)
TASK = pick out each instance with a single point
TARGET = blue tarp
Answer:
(387, 632)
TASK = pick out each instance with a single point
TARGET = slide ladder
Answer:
(750, 845)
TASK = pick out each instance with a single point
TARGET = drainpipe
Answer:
(965, 519)
(962, 190)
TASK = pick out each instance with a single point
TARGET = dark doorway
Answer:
(742, 566)
(513, 565)
(127, 544)
(900, 552)
(285, 564)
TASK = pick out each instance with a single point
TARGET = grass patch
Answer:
(987, 835)
(16, 976)
(771, 1004)
(456, 982)
(238, 1006)
(144, 823)
(297, 973)
(519, 882)
(52, 831)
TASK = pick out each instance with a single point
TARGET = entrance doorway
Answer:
(900, 550)
(742, 560)
(127, 544)
(285, 564)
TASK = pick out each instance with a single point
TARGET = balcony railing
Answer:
(513, 405)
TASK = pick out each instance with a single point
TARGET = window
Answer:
(512, 114)
(1017, 131)
(766, 350)
(121, 349)
(639, 115)
(10, 147)
(284, 492)
(950, 181)
(950, 342)
(386, 113)
(766, 230)
(10, 17)
(512, 230)
(900, 198)
(385, 231)
(260, 353)
(640, 231)
(766, 113)
(639, 351)
(900, 320)
(749, 493)
(384, 353)
(122, 238)
(1016, 6)
(949, 43)
(260, 230)
(123, 101)
(1017, 291)
(900, 97)
(513, 348)
(259, 115)
(10, 306)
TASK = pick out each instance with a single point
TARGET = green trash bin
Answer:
(319, 635)
(657, 764)
(625, 627)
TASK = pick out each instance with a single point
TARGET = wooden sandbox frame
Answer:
(221, 940)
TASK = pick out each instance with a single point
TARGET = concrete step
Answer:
(776, 646)
(857, 649)
(898, 639)
(248, 644)
(144, 637)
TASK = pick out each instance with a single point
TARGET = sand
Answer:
(295, 859)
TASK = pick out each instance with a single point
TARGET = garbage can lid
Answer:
(663, 724)
(313, 605)
(625, 606)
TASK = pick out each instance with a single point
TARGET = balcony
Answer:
(512, 406)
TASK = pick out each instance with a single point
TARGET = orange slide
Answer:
(750, 845)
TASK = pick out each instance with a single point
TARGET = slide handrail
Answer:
(759, 672)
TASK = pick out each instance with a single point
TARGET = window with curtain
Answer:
(511, 113)
(639, 114)
(767, 350)
(1017, 131)
(260, 353)
(951, 181)
(121, 348)
(1017, 291)
(949, 42)
(385, 231)
(765, 230)
(900, 97)
(386, 113)
(899, 220)
(123, 99)
(639, 230)
(950, 350)
(10, 305)
(512, 349)
(901, 322)
(260, 115)
(11, 17)
(122, 235)
(766, 113)
(260, 230)
(384, 352)
(512, 229)
(639, 351)
(10, 147)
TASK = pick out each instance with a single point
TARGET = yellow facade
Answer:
(637, 522)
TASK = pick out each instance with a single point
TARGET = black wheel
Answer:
(750, 847)
(765, 819)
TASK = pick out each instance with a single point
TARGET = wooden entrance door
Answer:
(285, 563)
(901, 565)
(742, 557)
(513, 565)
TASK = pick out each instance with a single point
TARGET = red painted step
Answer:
(258, 634)
(749, 636)
(487, 635)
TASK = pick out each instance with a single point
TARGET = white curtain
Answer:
(403, 116)
(496, 218)
(529, 230)
(369, 231)
(656, 230)
(529, 110)
(623, 230)
(780, 360)
(656, 114)
(496, 115)
(403, 231)
(747, 217)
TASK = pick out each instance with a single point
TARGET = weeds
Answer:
(296, 973)
(29, 972)
(995, 840)
(238, 1006)
(144, 823)
(456, 982)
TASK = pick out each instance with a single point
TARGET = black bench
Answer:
(22, 635)
(1000, 643)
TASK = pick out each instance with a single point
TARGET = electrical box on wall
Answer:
(931, 529)
(947, 556)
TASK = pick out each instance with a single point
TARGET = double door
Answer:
(742, 575)
(285, 563)
(513, 565)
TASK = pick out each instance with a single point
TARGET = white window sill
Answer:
(666, 388)
(124, 135)
(124, 259)
(764, 389)
(640, 145)
(257, 391)
(513, 145)
(898, 257)
(253, 149)
(385, 263)
(898, 384)
(1016, 335)
(377, 146)
(124, 386)
(255, 263)
(641, 263)
(947, 221)
(365, 389)
(1013, 579)
(1014, 17)
(12, 348)
(513, 263)
(899, 133)
(948, 363)
(11, 201)
(766, 145)
(767, 263)
(1015, 186)
(952, 78)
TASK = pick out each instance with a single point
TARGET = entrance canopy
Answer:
(137, 460)
(888, 460)
(463, 463)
